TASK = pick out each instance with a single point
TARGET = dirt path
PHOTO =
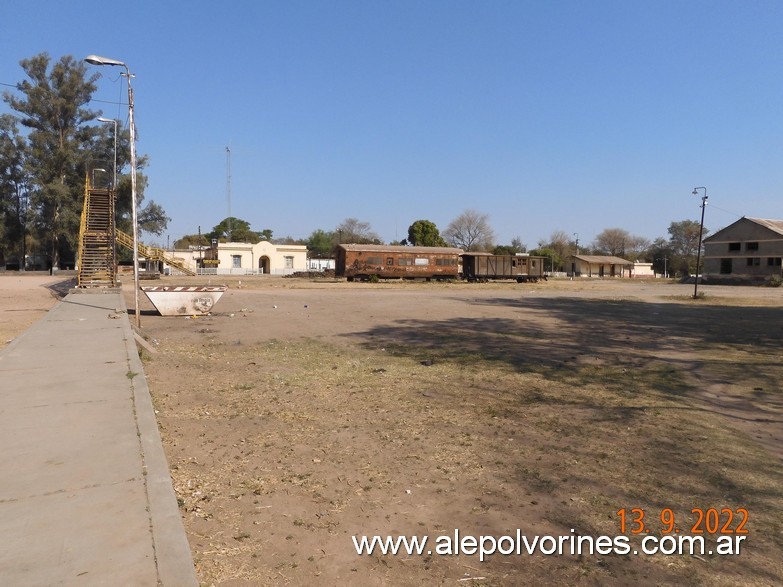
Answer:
(25, 298)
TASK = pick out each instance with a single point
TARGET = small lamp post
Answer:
(93, 174)
(695, 192)
(98, 60)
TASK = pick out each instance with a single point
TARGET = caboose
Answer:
(485, 266)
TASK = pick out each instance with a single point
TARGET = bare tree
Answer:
(613, 241)
(352, 230)
(470, 231)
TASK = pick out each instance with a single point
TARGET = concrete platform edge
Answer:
(172, 551)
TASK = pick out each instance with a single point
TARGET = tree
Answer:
(659, 253)
(424, 233)
(192, 240)
(14, 192)
(240, 231)
(61, 149)
(153, 219)
(561, 244)
(684, 242)
(354, 231)
(470, 231)
(53, 108)
(320, 244)
(612, 241)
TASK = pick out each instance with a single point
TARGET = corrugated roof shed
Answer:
(603, 260)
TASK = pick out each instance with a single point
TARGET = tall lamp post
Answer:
(97, 60)
(114, 120)
(695, 192)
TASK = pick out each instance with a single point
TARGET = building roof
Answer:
(775, 226)
(603, 259)
(400, 249)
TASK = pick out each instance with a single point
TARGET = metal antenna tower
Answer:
(228, 192)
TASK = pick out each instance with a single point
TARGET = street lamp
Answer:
(114, 182)
(576, 234)
(93, 174)
(695, 192)
(97, 60)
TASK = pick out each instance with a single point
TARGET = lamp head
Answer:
(98, 60)
(102, 119)
(694, 192)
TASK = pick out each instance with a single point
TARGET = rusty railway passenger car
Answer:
(363, 262)
(484, 267)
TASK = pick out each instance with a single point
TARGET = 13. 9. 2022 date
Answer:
(701, 521)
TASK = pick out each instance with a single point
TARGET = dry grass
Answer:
(291, 447)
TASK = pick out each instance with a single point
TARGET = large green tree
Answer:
(320, 244)
(684, 243)
(62, 146)
(53, 106)
(424, 233)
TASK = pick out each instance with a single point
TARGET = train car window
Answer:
(373, 260)
(404, 261)
(390, 261)
(421, 261)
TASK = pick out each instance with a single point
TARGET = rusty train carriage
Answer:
(484, 266)
(362, 262)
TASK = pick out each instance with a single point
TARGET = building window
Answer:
(753, 262)
(236, 261)
(734, 247)
(725, 266)
(289, 262)
(751, 246)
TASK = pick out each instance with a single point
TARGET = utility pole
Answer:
(701, 231)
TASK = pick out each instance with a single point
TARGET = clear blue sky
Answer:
(565, 115)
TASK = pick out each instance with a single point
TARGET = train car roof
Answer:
(519, 255)
(400, 249)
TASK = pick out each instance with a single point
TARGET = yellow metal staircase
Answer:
(155, 254)
(96, 257)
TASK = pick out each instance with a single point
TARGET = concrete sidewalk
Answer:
(85, 491)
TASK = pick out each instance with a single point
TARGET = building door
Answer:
(263, 265)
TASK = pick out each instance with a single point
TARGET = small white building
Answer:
(642, 270)
(262, 258)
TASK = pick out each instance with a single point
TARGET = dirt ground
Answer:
(303, 414)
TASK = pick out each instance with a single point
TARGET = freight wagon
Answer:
(363, 262)
(484, 266)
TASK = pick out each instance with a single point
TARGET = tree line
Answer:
(472, 231)
(50, 145)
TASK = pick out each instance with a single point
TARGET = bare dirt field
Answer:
(303, 415)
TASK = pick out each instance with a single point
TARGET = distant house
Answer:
(750, 249)
(262, 258)
(598, 266)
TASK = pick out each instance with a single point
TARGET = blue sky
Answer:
(546, 115)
